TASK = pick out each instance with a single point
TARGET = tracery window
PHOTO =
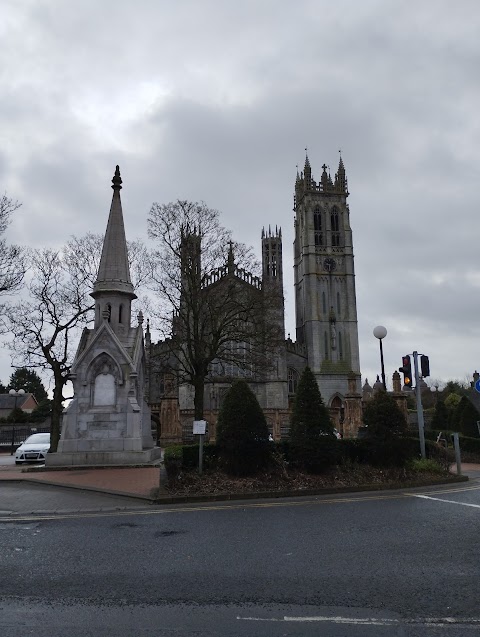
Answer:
(292, 380)
(235, 361)
(317, 226)
(335, 227)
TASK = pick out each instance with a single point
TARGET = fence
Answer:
(14, 435)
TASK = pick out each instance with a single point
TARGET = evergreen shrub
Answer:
(179, 458)
(386, 432)
(465, 418)
(313, 445)
(242, 432)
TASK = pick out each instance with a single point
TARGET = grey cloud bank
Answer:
(216, 101)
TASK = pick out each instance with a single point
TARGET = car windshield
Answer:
(38, 439)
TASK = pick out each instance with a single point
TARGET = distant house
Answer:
(25, 402)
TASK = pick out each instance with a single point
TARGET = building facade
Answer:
(326, 322)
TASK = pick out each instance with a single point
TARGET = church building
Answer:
(326, 322)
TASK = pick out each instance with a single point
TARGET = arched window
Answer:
(120, 313)
(109, 310)
(324, 303)
(317, 226)
(335, 227)
(325, 342)
(292, 380)
(340, 346)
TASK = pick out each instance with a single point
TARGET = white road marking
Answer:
(335, 620)
(370, 621)
(464, 504)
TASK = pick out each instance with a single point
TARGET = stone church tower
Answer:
(108, 421)
(324, 278)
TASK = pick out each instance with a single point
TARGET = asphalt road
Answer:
(366, 565)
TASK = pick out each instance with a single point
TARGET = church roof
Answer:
(114, 272)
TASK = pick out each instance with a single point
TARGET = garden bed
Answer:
(189, 483)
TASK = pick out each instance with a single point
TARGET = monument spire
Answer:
(114, 272)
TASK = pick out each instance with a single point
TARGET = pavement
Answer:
(137, 485)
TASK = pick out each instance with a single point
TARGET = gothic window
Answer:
(273, 262)
(317, 226)
(234, 361)
(109, 310)
(335, 227)
(324, 303)
(340, 346)
(339, 306)
(325, 342)
(292, 380)
(120, 314)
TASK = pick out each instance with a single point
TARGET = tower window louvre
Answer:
(317, 226)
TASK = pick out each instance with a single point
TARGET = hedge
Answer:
(179, 458)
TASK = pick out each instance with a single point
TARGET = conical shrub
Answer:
(242, 432)
(313, 446)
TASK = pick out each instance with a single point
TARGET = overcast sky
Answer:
(215, 100)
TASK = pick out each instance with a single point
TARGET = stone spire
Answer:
(340, 177)
(114, 272)
(307, 171)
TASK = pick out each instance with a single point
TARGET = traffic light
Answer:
(406, 370)
(425, 365)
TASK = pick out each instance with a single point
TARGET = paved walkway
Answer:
(138, 482)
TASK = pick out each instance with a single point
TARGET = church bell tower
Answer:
(325, 301)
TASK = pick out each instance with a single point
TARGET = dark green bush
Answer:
(313, 446)
(471, 445)
(173, 460)
(465, 418)
(185, 458)
(242, 432)
(386, 428)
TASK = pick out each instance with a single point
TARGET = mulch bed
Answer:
(216, 482)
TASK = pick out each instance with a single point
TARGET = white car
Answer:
(34, 449)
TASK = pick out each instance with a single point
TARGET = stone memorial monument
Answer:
(108, 421)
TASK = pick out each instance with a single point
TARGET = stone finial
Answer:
(140, 317)
(378, 385)
(117, 180)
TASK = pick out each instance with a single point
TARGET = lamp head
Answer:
(380, 332)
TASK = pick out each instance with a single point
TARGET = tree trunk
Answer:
(199, 386)
(57, 409)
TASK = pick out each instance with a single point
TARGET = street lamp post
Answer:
(380, 332)
(16, 393)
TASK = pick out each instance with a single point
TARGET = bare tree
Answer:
(46, 326)
(12, 257)
(213, 308)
